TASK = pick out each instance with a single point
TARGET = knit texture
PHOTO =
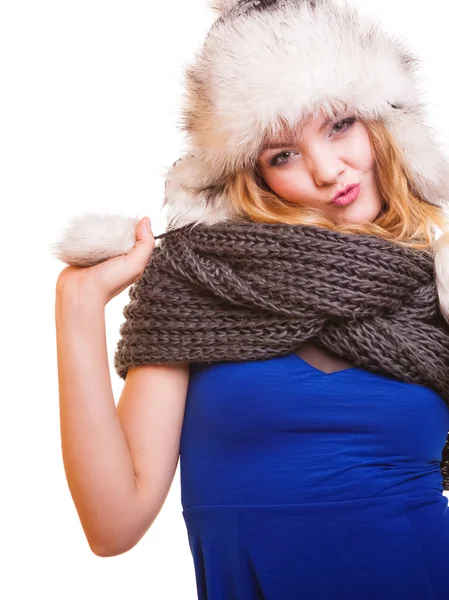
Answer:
(236, 291)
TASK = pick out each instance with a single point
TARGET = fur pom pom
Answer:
(441, 258)
(93, 238)
(222, 6)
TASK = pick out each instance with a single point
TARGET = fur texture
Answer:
(222, 6)
(293, 59)
(265, 59)
(92, 238)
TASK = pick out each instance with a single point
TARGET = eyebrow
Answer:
(290, 142)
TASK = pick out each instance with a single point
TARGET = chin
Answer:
(358, 214)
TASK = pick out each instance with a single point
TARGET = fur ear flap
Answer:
(93, 238)
(441, 259)
(222, 6)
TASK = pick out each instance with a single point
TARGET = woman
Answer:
(288, 344)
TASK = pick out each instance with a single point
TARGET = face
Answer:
(325, 158)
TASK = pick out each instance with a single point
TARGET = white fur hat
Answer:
(267, 61)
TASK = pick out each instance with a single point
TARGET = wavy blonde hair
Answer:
(405, 218)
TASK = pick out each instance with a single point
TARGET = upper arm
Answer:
(151, 411)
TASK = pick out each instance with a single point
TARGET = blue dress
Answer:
(297, 484)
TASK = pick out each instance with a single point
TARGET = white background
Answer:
(90, 94)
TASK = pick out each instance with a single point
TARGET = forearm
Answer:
(96, 457)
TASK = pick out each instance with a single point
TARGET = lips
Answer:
(344, 191)
(350, 196)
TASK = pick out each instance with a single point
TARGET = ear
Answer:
(93, 238)
(441, 258)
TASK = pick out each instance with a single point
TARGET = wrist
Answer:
(80, 297)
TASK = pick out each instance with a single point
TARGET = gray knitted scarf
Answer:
(237, 291)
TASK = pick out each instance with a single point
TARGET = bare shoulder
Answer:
(148, 375)
(151, 411)
(154, 392)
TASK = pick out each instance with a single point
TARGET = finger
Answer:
(144, 242)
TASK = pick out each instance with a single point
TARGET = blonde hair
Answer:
(405, 218)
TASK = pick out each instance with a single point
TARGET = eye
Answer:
(338, 127)
(344, 124)
(274, 162)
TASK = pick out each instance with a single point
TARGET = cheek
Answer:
(361, 151)
(284, 182)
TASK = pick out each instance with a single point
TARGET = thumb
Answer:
(143, 229)
(144, 240)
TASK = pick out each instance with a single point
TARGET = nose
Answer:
(326, 168)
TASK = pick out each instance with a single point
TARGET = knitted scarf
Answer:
(237, 291)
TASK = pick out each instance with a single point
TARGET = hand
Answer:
(110, 277)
